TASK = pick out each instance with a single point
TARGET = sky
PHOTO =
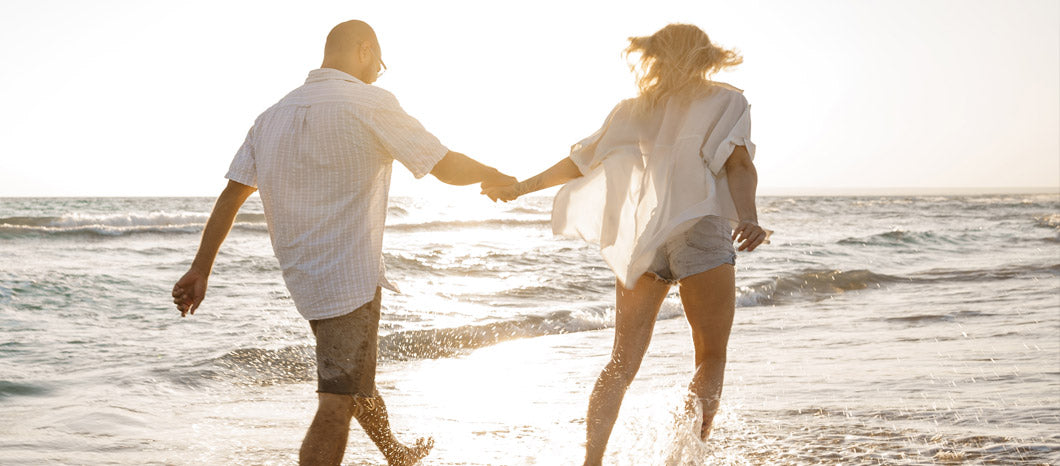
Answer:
(151, 98)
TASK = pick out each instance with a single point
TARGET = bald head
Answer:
(353, 47)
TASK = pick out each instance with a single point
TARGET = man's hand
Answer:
(189, 292)
(750, 235)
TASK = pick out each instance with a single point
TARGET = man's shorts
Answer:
(346, 350)
(705, 245)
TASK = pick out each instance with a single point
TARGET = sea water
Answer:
(873, 330)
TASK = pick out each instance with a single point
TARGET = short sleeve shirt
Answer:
(321, 159)
(649, 175)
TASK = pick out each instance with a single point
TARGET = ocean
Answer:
(873, 330)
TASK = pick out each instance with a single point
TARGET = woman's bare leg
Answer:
(635, 313)
(709, 300)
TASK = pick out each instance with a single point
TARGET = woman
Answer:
(659, 187)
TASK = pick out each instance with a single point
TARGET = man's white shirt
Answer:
(321, 159)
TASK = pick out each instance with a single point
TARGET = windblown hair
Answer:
(678, 59)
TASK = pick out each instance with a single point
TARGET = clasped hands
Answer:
(502, 188)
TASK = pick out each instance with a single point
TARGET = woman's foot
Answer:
(704, 410)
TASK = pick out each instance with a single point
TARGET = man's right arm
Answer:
(560, 173)
(460, 170)
(190, 290)
(406, 140)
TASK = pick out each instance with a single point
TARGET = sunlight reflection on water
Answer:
(872, 338)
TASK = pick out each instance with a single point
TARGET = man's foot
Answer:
(704, 430)
(408, 456)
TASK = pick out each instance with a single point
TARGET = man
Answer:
(321, 158)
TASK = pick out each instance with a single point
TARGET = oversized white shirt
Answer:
(321, 159)
(648, 177)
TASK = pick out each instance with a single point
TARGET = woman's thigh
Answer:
(635, 313)
(709, 299)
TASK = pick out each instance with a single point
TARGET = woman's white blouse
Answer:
(650, 176)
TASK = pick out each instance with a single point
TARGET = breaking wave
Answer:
(1048, 221)
(297, 363)
(816, 285)
(187, 223)
(812, 284)
(457, 224)
(896, 237)
(120, 224)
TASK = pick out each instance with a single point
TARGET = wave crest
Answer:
(813, 284)
(165, 222)
(894, 237)
(297, 363)
(820, 284)
(262, 366)
(456, 224)
(1048, 221)
(435, 343)
(120, 224)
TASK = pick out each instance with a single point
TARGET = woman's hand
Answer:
(750, 235)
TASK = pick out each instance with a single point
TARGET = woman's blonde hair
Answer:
(677, 59)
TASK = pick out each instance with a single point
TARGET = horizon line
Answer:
(767, 191)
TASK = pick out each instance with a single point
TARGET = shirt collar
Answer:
(324, 74)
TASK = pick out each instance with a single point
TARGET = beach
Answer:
(872, 330)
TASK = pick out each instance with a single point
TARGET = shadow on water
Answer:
(12, 389)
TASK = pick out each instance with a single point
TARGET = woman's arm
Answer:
(558, 174)
(743, 182)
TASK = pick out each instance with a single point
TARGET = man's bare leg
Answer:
(325, 443)
(372, 415)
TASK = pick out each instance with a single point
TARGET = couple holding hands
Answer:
(665, 187)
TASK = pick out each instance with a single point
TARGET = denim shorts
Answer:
(707, 244)
(346, 350)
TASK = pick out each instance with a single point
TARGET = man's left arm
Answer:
(190, 290)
